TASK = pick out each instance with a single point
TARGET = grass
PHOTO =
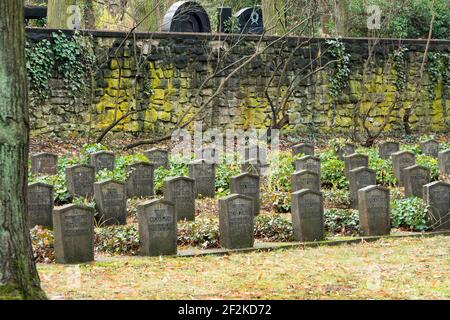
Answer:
(408, 268)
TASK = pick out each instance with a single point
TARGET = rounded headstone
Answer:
(250, 20)
(186, 16)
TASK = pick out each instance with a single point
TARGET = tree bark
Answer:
(18, 275)
(341, 16)
(274, 16)
(58, 15)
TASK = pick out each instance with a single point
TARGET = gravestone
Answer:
(444, 162)
(111, 202)
(400, 161)
(303, 148)
(209, 154)
(430, 148)
(35, 12)
(346, 150)
(236, 221)
(181, 192)
(248, 185)
(44, 163)
(204, 174)
(158, 157)
(80, 180)
(310, 163)
(40, 205)
(157, 228)
(414, 178)
(360, 178)
(373, 204)
(103, 160)
(305, 179)
(307, 215)
(437, 197)
(354, 161)
(250, 20)
(140, 180)
(73, 227)
(186, 16)
(387, 148)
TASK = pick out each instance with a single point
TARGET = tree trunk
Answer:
(59, 15)
(274, 16)
(341, 17)
(89, 14)
(18, 275)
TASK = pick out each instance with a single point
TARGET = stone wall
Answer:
(162, 76)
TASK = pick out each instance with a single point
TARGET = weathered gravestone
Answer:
(346, 150)
(437, 197)
(157, 228)
(307, 215)
(414, 178)
(186, 16)
(400, 161)
(80, 180)
(254, 152)
(310, 163)
(103, 160)
(204, 174)
(140, 180)
(360, 178)
(73, 227)
(40, 205)
(444, 162)
(209, 154)
(303, 148)
(248, 185)
(373, 204)
(430, 148)
(158, 157)
(387, 148)
(44, 163)
(111, 201)
(250, 20)
(236, 221)
(354, 161)
(305, 179)
(181, 192)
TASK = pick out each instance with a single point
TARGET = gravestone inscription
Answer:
(359, 178)
(430, 148)
(248, 185)
(158, 157)
(111, 201)
(204, 174)
(80, 180)
(307, 215)
(157, 228)
(103, 160)
(387, 148)
(414, 178)
(373, 204)
(236, 221)
(73, 227)
(44, 163)
(140, 180)
(181, 192)
(305, 179)
(40, 205)
(310, 163)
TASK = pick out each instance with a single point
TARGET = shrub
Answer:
(336, 198)
(161, 173)
(410, 213)
(117, 239)
(431, 163)
(42, 241)
(382, 167)
(202, 233)
(273, 228)
(278, 187)
(224, 172)
(341, 221)
(333, 174)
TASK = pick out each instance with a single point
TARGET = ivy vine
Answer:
(340, 77)
(400, 67)
(70, 58)
(438, 67)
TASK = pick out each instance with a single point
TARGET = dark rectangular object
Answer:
(34, 12)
